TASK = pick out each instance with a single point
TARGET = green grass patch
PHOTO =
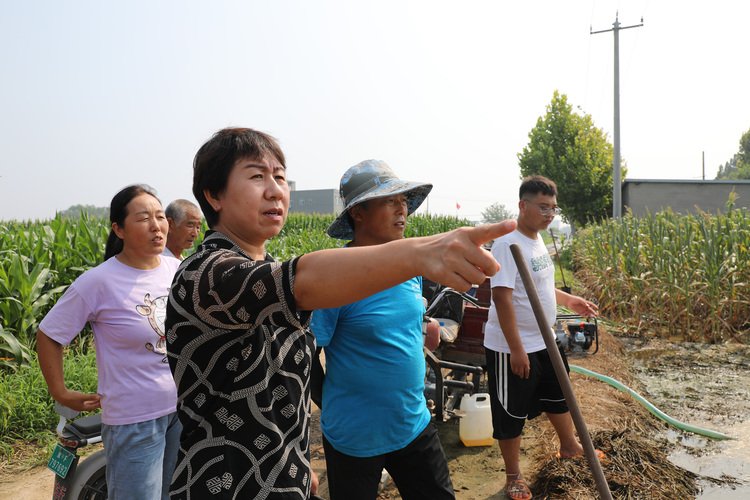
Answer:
(27, 411)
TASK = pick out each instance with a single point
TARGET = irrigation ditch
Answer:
(707, 385)
(704, 385)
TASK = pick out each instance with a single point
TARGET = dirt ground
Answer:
(478, 472)
(34, 484)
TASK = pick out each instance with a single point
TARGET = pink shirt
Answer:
(126, 308)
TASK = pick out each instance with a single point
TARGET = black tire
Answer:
(90, 482)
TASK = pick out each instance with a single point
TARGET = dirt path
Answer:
(477, 472)
(34, 484)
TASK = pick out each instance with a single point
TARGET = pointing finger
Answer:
(488, 232)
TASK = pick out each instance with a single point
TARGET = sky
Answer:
(99, 95)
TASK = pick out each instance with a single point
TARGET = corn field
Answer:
(671, 275)
(39, 260)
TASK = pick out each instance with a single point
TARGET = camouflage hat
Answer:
(368, 180)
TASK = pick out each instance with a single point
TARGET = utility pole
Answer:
(616, 175)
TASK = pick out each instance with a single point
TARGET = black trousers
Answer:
(419, 470)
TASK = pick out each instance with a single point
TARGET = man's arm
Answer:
(576, 304)
(506, 316)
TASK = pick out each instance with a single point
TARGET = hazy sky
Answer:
(99, 95)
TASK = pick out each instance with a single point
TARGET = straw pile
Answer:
(635, 468)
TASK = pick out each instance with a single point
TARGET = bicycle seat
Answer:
(84, 427)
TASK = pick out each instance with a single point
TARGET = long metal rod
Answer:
(616, 158)
(434, 363)
(562, 374)
(557, 254)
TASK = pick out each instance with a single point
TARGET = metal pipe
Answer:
(557, 254)
(459, 384)
(562, 374)
(434, 363)
(461, 368)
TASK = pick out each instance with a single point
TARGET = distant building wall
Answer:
(652, 195)
(315, 201)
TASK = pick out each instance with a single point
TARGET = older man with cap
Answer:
(374, 415)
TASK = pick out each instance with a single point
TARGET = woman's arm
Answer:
(51, 362)
(335, 277)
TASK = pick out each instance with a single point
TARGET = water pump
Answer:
(576, 335)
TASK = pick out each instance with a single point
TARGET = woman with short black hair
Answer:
(237, 321)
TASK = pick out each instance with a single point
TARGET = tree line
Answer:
(74, 212)
(739, 166)
(568, 148)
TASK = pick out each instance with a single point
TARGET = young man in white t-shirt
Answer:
(522, 379)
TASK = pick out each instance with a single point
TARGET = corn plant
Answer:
(428, 224)
(302, 233)
(13, 354)
(39, 260)
(672, 274)
(25, 293)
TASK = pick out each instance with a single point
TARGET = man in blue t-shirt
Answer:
(374, 415)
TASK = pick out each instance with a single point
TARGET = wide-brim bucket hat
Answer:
(368, 180)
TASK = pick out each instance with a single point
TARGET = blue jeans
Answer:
(141, 458)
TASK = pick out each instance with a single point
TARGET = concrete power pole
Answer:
(616, 175)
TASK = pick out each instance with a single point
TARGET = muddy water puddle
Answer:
(707, 386)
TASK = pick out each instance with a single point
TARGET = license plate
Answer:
(60, 461)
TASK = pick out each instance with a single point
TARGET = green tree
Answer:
(744, 153)
(496, 213)
(566, 147)
(728, 170)
(739, 166)
(74, 211)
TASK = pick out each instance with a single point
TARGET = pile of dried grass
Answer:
(619, 426)
(633, 468)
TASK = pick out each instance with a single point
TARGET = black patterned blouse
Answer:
(240, 355)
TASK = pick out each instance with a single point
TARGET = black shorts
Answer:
(514, 399)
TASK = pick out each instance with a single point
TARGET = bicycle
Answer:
(86, 480)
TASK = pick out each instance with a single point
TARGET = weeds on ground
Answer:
(27, 412)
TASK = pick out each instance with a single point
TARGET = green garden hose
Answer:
(649, 406)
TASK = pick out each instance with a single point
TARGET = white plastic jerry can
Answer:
(475, 429)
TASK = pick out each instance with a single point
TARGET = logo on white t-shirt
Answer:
(541, 262)
(156, 312)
